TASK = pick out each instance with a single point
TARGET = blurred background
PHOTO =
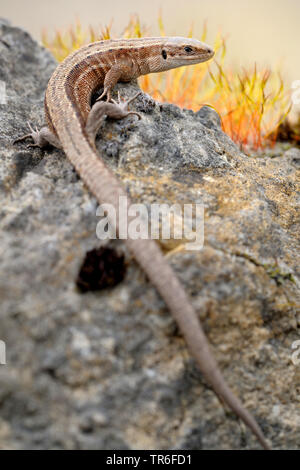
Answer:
(251, 81)
(264, 31)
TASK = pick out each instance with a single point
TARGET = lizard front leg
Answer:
(41, 138)
(111, 79)
(123, 71)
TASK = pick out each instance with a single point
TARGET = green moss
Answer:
(279, 276)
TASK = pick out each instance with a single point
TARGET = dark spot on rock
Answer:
(5, 43)
(112, 149)
(28, 58)
(24, 162)
(96, 95)
(101, 268)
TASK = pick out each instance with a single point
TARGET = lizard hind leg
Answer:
(122, 105)
(114, 110)
(41, 138)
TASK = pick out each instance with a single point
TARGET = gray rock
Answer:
(109, 369)
(293, 155)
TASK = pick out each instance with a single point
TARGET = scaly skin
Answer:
(72, 126)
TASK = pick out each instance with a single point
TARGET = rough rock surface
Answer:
(108, 369)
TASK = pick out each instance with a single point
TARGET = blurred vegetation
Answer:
(289, 131)
(252, 103)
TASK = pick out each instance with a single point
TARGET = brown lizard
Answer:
(72, 125)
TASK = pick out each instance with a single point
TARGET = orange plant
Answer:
(252, 103)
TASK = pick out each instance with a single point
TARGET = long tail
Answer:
(107, 189)
(166, 282)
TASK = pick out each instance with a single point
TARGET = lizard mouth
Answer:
(209, 53)
(201, 58)
(203, 55)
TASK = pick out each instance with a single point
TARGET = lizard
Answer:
(72, 125)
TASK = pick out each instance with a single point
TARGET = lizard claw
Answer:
(135, 114)
(32, 145)
(40, 138)
(134, 97)
(20, 139)
(123, 104)
(108, 95)
(26, 136)
(114, 110)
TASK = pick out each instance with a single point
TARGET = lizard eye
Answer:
(188, 49)
(164, 54)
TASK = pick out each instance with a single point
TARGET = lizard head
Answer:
(177, 51)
